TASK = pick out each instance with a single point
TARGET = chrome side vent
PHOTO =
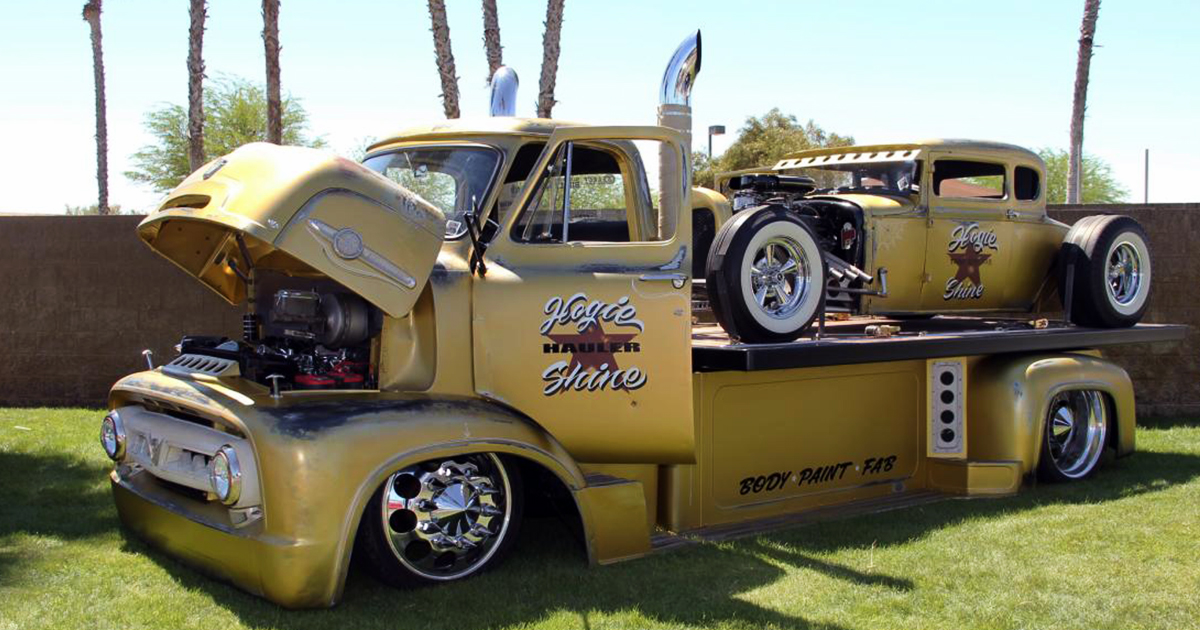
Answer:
(192, 364)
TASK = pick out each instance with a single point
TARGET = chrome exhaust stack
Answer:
(675, 111)
(504, 92)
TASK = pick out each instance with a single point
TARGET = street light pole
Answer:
(715, 130)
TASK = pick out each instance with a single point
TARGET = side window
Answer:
(586, 187)
(969, 179)
(1025, 184)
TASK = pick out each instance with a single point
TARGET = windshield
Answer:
(453, 178)
(899, 177)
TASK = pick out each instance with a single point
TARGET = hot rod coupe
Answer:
(941, 226)
(485, 319)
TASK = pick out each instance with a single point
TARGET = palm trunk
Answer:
(550, 50)
(91, 14)
(270, 35)
(195, 65)
(445, 58)
(1087, 33)
(491, 37)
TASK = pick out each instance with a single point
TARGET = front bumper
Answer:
(292, 573)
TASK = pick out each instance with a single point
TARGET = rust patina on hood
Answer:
(299, 211)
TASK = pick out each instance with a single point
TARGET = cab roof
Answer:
(1010, 151)
(461, 127)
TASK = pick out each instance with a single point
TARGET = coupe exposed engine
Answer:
(316, 337)
(837, 224)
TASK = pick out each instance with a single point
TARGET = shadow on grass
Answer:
(57, 496)
(697, 586)
(1168, 423)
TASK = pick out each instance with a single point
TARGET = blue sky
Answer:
(880, 71)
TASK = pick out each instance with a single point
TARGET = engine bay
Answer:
(311, 333)
(836, 223)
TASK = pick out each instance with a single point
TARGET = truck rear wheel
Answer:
(766, 276)
(1074, 436)
(442, 520)
(1112, 271)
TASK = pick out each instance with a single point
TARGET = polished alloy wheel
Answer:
(1076, 428)
(780, 276)
(445, 521)
(1124, 273)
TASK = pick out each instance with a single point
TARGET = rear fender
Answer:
(1009, 398)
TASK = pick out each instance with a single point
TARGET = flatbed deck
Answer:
(846, 342)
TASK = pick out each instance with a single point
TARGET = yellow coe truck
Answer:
(490, 318)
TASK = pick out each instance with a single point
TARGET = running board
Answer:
(664, 540)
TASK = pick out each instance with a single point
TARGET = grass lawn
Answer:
(1121, 550)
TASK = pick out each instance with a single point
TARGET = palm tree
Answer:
(195, 65)
(270, 35)
(550, 39)
(445, 58)
(491, 37)
(1087, 33)
(91, 14)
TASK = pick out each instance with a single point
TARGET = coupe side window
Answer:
(968, 179)
(1025, 184)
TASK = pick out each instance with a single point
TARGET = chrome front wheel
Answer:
(1075, 434)
(443, 520)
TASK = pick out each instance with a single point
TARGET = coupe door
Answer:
(583, 320)
(969, 244)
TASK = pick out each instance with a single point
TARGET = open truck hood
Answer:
(299, 210)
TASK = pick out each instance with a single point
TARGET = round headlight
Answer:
(112, 436)
(226, 475)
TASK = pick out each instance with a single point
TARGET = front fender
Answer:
(1009, 398)
(320, 457)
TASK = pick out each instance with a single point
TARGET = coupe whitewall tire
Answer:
(766, 276)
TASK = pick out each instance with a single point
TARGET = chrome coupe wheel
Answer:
(1124, 273)
(1075, 435)
(442, 520)
(780, 277)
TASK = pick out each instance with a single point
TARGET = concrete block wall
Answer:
(83, 296)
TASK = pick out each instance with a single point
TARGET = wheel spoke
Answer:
(760, 295)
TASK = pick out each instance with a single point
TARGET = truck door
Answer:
(583, 320)
(969, 244)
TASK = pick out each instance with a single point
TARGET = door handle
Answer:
(677, 279)
(1011, 214)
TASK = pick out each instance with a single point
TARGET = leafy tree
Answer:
(761, 142)
(1098, 183)
(235, 113)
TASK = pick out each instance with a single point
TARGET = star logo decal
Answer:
(592, 348)
(968, 262)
